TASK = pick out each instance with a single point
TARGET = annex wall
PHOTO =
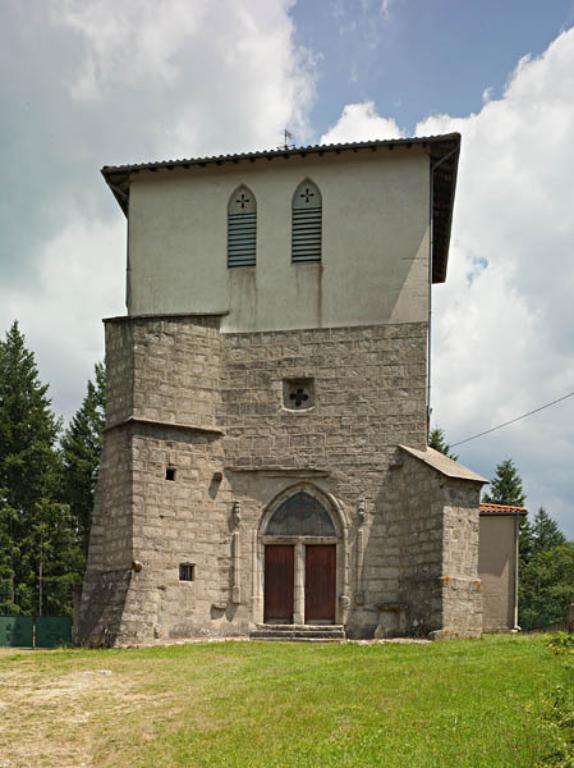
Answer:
(497, 566)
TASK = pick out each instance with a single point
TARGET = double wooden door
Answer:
(320, 583)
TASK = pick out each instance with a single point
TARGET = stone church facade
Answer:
(265, 465)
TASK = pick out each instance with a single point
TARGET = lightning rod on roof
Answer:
(287, 139)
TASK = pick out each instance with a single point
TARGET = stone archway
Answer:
(303, 559)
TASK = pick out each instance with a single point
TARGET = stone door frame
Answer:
(341, 540)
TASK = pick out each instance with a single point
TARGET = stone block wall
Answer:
(211, 406)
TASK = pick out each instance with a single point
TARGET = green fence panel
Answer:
(52, 631)
(16, 631)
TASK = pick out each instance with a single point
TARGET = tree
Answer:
(546, 533)
(8, 556)
(437, 440)
(36, 551)
(547, 587)
(81, 451)
(506, 488)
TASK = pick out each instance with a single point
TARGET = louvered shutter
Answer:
(307, 223)
(242, 228)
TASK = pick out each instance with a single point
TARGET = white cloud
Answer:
(80, 280)
(503, 331)
(360, 122)
(234, 61)
(88, 82)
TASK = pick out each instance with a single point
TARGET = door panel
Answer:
(279, 577)
(320, 583)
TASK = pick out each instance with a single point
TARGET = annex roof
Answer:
(486, 508)
(443, 464)
(443, 151)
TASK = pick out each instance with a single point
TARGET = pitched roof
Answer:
(443, 464)
(443, 151)
(487, 508)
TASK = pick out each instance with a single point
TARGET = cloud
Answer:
(90, 82)
(503, 335)
(360, 122)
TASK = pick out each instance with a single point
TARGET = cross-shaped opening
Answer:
(298, 397)
(307, 194)
(298, 394)
(243, 200)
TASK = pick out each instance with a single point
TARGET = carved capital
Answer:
(361, 509)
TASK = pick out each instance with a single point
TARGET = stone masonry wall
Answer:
(418, 518)
(210, 406)
(461, 585)
(369, 395)
(438, 524)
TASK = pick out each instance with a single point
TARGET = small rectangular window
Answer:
(170, 473)
(186, 572)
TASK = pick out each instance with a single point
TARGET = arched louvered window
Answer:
(242, 228)
(307, 216)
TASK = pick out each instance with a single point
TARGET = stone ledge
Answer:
(163, 425)
(282, 471)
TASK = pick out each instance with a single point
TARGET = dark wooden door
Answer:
(279, 577)
(320, 583)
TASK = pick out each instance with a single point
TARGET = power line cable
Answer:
(513, 421)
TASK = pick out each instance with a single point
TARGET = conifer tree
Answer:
(546, 533)
(437, 440)
(506, 488)
(38, 551)
(81, 450)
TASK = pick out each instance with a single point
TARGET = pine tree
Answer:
(437, 440)
(546, 533)
(506, 488)
(81, 450)
(547, 587)
(30, 476)
(8, 557)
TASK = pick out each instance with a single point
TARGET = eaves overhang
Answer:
(443, 152)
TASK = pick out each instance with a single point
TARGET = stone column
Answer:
(299, 592)
(360, 553)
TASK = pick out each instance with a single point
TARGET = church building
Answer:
(265, 469)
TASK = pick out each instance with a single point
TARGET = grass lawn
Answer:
(459, 703)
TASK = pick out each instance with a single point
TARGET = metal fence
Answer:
(35, 631)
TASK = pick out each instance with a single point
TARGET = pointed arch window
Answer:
(300, 515)
(307, 223)
(242, 228)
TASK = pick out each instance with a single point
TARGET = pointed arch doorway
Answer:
(300, 544)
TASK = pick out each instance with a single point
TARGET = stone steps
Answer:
(323, 633)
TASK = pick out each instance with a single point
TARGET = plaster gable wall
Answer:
(374, 267)
(497, 567)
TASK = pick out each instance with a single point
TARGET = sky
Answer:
(84, 83)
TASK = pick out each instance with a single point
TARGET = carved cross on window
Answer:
(307, 195)
(299, 397)
(243, 200)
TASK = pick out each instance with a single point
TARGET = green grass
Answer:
(461, 703)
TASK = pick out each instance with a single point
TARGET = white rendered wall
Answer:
(375, 242)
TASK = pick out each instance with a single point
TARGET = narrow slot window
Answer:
(170, 473)
(186, 572)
